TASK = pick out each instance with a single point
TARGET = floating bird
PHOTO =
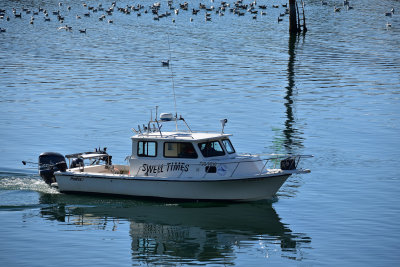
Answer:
(279, 19)
(82, 31)
(66, 27)
(165, 63)
(388, 25)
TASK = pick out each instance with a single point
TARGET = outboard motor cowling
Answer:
(50, 162)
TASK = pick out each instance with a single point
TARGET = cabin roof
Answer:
(180, 136)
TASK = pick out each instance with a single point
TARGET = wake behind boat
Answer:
(174, 165)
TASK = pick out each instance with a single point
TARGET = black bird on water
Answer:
(165, 63)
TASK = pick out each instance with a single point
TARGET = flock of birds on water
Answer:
(238, 8)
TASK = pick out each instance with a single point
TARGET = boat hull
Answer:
(245, 189)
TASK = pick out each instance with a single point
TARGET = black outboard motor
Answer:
(50, 162)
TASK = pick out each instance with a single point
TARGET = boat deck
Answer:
(103, 169)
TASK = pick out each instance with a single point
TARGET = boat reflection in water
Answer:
(182, 232)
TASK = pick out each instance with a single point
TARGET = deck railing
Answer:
(275, 158)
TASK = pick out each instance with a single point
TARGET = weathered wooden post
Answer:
(293, 28)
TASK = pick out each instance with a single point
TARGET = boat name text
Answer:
(171, 166)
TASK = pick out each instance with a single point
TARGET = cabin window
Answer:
(228, 146)
(211, 149)
(147, 149)
(179, 150)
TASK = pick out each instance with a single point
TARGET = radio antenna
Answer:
(173, 84)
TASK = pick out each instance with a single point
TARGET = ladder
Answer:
(301, 17)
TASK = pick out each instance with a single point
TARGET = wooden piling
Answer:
(293, 17)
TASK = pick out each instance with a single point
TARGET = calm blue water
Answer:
(334, 93)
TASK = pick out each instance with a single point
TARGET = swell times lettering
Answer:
(172, 166)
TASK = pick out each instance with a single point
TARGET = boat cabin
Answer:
(176, 153)
(173, 154)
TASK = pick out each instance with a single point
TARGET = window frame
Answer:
(212, 141)
(178, 157)
(146, 155)
(230, 145)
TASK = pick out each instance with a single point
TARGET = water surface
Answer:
(333, 93)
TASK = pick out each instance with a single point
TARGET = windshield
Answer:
(211, 149)
(228, 146)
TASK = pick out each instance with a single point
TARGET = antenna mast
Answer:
(173, 85)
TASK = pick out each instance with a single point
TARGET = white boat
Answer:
(174, 165)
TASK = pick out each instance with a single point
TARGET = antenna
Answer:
(223, 122)
(158, 125)
(173, 85)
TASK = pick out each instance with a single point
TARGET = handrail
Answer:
(297, 159)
